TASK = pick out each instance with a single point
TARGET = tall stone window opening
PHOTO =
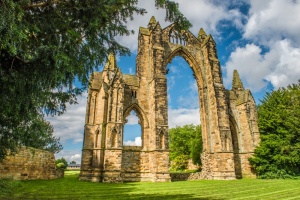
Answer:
(183, 100)
(132, 130)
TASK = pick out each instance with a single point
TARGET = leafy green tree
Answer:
(278, 155)
(41, 136)
(46, 45)
(61, 163)
(73, 162)
(185, 143)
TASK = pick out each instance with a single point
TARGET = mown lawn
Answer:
(70, 188)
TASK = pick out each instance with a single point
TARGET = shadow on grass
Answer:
(71, 188)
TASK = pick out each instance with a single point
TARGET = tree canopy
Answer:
(185, 143)
(278, 155)
(61, 163)
(46, 45)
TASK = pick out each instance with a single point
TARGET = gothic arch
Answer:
(141, 115)
(189, 58)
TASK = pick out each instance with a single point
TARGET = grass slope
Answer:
(70, 188)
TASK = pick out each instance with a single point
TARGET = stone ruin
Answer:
(30, 164)
(228, 117)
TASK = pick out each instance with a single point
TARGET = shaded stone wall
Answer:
(30, 164)
(186, 176)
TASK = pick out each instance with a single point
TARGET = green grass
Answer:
(71, 188)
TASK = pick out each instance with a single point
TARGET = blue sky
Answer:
(259, 38)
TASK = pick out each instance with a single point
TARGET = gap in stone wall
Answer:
(183, 100)
(132, 131)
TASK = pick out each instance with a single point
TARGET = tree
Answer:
(41, 136)
(46, 45)
(61, 163)
(73, 162)
(278, 155)
(185, 143)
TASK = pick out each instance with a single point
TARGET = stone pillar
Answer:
(218, 157)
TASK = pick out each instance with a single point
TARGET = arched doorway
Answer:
(183, 116)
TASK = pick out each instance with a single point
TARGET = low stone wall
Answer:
(185, 176)
(30, 164)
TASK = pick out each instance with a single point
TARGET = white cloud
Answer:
(202, 14)
(273, 20)
(70, 125)
(137, 142)
(287, 70)
(207, 14)
(280, 66)
(76, 158)
(183, 116)
(251, 66)
(132, 119)
(70, 155)
(273, 25)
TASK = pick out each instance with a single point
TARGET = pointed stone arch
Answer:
(188, 57)
(225, 115)
(138, 110)
(142, 119)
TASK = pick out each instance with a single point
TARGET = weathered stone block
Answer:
(30, 164)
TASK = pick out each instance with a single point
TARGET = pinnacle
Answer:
(201, 32)
(111, 61)
(236, 82)
(152, 20)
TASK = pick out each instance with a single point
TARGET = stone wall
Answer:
(186, 176)
(30, 164)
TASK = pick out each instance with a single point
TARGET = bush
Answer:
(61, 163)
(180, 162)
(185, 143)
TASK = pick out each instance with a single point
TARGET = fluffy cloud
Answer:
(202, 14)
(70, 155)
(251, 65)
(132, 119)
(207, 14)
(274, 27)
(280, 66)
(70, 125)
(273, 20)
(183, 116)
(287, 68)
(137, 142)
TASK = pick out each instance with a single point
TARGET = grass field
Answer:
(70, 188)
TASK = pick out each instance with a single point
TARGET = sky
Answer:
(259, 38)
